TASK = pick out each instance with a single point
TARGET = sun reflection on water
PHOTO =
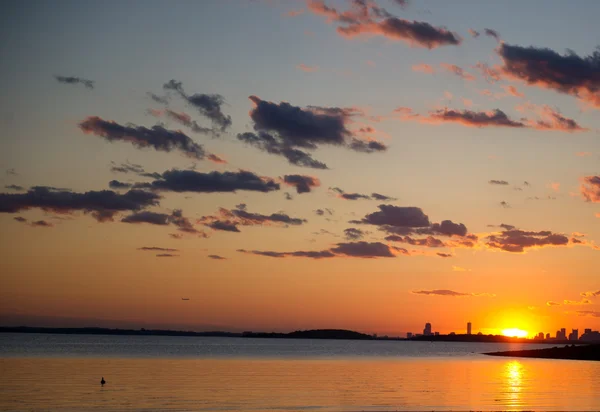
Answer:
(514, 374)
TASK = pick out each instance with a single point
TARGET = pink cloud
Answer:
(307, 69)
(423, 68)
(452, 68)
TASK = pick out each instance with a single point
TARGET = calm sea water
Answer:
(62, 372)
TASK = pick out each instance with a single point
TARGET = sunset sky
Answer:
(294, 165)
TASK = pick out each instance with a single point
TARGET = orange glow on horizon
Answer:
(515, 332)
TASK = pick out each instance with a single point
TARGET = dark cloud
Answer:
(159, 99)
(208, 105)
(354, 249)
(229, 220)
(492, 33)
(590, 188)
(515, 240)
(14, 187)
(224, 226)
(267, 143)
(176, 218)
(449, 228)
(348, 196)
(545, 68)
(490, 74)
(363, 249)
(474, 33)
(152, 218)
(288, 196)
(590, 294)
(324, 211)
(354, 234)
(41, 223)
(284, 129)
(158, 249)
(428, 241)
(20, 219)
(505, 204)
(11, 172)
(308, 254)
(158, 137)
(498, 182)
(102, 205)
(115, 184)
(503, 226)
(397, 216)
(444, 255)
(402, 3)
(475, 119)
(166, 255)
(446, 292)
(370, 146)
(126, 168)
(551, 303)
(75, 80)
(378, 196)
(213, 182)
(186, 120)
(302, 183)
(217, 257)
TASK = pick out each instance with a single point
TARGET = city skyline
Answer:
(281, 166)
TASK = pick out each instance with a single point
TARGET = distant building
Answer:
(452, 333)
(547, 336)
(574, 335)
(437, 333)
(427, 330)
(409, 335)
(468, 328)
(591, 336)
(587, 330)
(561, 334)
(540, 335)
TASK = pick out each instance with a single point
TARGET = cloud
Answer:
(378, 196)
(505, 204)
(402, 3)
(41, 223)
(186, 120)
(369, 146)
(20, 219)
(208, 105)
(348, 196)
(229, 220)
(157, 137)
(452, 68)
(11, 172)
(542, 67)
(396, 216)
(590, 188)
(498, 182)
(590, 294)
(365, 250)
(14, 187)
(473, 33)
(492, 33)
(126, 168)
(166, 255)
(307, 69)
(366, 18)
(302, 183)
(490, 74)
(102, 205)
(294, 13)
(176, 218)
(217, 257)
(428, 241)
(551, 119)
(447, 292)
(321, 212)
(157, 249)
(213, 182)
(354, 234)
(444, 255)
(288, 196)
(75, 80)
(423, 68)
(475, 119)
(159, 99)
(512, 91)
(577, 302)
(516, 240)
(592, 313)
(115, 184)
(270, 144)
(460, 269)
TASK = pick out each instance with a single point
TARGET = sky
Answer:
(295, 165)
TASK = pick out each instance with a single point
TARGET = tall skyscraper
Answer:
(427, 330)
(468, 328)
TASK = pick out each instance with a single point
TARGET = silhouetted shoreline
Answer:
(301, 334)
(584, 352)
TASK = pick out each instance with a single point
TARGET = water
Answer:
(62, 372)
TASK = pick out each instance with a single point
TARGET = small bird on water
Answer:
(102, 382)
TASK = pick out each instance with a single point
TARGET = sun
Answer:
(514, 332)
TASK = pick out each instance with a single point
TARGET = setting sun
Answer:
(514, 332)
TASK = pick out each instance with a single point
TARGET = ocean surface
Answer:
(43, 372)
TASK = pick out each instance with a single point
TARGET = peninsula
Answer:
(581, 352)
